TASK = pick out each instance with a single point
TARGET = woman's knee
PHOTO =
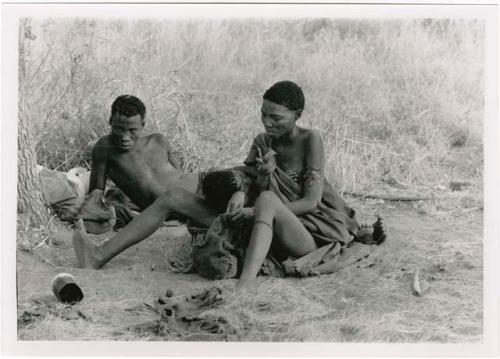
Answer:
(267, 199)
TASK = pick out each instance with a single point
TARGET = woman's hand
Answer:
(267, 163)
(241, 216)
(236, 202)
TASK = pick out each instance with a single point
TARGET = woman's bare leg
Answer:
(177, 200)
(273, 221)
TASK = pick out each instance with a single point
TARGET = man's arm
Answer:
(98, 170)
(162, 141)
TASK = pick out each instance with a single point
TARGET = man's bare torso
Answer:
(145, 172)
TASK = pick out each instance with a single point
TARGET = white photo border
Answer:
(11, 13)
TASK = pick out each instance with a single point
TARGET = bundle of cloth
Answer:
(66, 194)
(103, 211)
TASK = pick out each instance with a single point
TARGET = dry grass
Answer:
(395, 100)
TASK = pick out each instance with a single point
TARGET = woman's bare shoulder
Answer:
(311, 134)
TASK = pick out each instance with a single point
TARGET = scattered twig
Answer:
(75, 154)
(304, 320)
(468, 210)
(415, 286)
(45, 235)
(44, 241)
(362, 142)
(387, 197)
(42, 62)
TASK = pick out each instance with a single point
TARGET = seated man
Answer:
(143, 168)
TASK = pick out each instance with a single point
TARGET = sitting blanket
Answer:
(219, 253)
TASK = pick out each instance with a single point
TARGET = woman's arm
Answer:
(313, 177)
(252, 156)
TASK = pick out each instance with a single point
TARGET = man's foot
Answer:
(86, 251)
(373, 234)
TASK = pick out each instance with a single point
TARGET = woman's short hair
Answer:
(286, 93)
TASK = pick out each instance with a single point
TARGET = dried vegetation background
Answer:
(398, 102)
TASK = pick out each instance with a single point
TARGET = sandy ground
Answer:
(371, 301)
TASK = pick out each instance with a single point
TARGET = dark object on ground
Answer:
(192, 317)
(458, 185)
(65, 288)
(373, 234)
(188, 315)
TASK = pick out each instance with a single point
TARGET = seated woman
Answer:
(297, 210)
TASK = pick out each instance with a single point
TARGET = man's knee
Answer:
(171, 198)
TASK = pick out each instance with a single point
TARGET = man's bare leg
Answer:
(272, 217)
(178, 201)
(86, 251)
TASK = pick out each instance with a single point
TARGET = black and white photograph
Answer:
(263, 173)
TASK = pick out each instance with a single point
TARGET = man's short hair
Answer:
(129, 106)
(218, 187)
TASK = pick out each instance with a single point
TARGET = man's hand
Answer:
(241, 216)
(236, 202)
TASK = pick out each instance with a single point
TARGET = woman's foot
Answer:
(372, 234)
(87, 253)
(244, 284)
(379, 235)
